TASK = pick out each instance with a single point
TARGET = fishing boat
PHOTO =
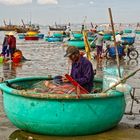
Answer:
(20, 29)
(54, 39)
(61, 114)
(127, 31)
(58, 28)
(79, 43)
(137, 31)
(31, 35)
(77, 35)
(21, 36)
(32, 38)
(107, 37)
(41, 36)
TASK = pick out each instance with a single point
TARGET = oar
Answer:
(122, 80)
(80, 89)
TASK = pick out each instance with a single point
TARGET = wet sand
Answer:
(46, 59)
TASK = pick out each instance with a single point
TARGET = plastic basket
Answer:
(129, 40)
(112, 51)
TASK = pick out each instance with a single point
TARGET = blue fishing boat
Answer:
(54, 39)
(61, 114)
(41, 36)
(21, 36)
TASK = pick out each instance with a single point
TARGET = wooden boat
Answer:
(61, 114)
(18, 29)
(57, 28)
(25, 30)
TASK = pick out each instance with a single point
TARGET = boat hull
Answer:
(31, 38)
(90, 114)
(78, 43)
(54, 39)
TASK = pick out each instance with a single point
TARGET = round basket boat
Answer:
(57, 114)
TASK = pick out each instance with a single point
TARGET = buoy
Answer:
(16, 59)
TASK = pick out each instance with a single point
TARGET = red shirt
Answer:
(12, 41)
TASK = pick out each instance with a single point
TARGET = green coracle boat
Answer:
(57, 114)
(137, 31)
(77, 35)
(127, 31)
(79, 43)
(107, 37)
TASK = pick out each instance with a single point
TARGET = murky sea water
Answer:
(47, 59)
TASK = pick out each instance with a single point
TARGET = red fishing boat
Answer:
(31, 38)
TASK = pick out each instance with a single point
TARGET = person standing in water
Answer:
(12, 44)
(5, 46)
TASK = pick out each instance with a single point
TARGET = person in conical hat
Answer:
(5, 48)
(12, 44)
(11, 33)
(99, 44)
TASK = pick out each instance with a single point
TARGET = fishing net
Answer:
(55, 86)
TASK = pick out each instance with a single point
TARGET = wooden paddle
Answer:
(80, 89)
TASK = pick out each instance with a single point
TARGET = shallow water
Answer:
(47, 59)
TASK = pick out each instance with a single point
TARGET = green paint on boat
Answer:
(64, 115)
(107, 36)
(127, 31)
(77, 35)
(57, 34)
(137, 31)
(79, 43)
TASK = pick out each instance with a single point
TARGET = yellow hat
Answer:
(11, 33)
(101, 33)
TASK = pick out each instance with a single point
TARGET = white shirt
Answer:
(118, 38)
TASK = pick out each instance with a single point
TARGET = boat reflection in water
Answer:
(120, 132)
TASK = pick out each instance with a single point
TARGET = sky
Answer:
(47, 12)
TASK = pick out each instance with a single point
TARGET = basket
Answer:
(128, 40)
(112, 51)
